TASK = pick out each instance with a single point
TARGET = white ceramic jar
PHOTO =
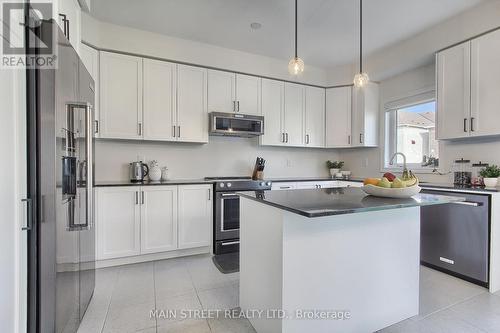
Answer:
(154, 171)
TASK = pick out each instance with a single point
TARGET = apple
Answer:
(389, 176)
(384, 182)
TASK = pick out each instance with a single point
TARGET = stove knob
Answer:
(229, 184)
(268, 183)
(221, 185)
(262, 183)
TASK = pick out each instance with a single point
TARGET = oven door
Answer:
(227, 216)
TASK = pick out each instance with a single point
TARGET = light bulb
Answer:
(296, 66)
(361, 79)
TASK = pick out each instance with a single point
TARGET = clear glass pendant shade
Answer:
(296, 66)
(360, 80)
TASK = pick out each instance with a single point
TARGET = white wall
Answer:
(115, 37)
(418, 50)
(221, 157)
(366, 162)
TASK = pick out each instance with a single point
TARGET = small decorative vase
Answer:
(333, 172)
(490, 182)
(164, 173)
(154, 171)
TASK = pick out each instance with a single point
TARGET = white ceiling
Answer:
(328, 29)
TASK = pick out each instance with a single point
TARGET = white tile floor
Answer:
(125, 295)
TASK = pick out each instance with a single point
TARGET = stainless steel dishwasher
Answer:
(455, 237)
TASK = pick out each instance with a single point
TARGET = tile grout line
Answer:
(110, 299)
(197, 296)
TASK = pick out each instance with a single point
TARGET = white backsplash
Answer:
(223, 156)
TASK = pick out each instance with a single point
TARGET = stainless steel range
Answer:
(227, 210)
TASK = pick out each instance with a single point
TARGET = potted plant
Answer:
(334, 167)
(490, 175)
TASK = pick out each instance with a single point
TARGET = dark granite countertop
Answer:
(325, 202)
(150, 183)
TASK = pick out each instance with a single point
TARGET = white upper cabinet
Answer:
(67, 14)
(248, 94)
(453, 92)
(159, 100)
(294, 114)
(365, 115)
(229, 92)
(192, 115)
(195, 215)
(118, 222)
(90, 58)
(272, 109)
(121, 96)
(221, 91)
(485, 85)
(338, 117)
(158, 219)
(314, 117)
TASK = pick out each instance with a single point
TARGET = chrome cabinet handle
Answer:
(238, 106)
(285, 187)
(140, 128)
(178, 131)
(468, 203)
(173, 131)
(472, 124)
(29, 214)
(142, 197)
(465, 125)
(307, 139)
(360, 137)
(286, 134)
(283, 137)
(136, 198)
(96, 122)
(209, 195)
(234, 106)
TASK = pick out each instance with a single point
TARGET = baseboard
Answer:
(151, 257)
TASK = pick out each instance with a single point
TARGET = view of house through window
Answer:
(411, 130)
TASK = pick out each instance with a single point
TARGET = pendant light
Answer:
(296, 65)
(361, 79)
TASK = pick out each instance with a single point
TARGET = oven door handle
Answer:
(229, 195)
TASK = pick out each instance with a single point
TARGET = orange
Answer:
(371, 181)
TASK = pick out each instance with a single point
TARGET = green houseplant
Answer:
(490, 175)
(334, 167)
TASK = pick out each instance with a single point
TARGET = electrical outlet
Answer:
(365, 162)
(288, 163)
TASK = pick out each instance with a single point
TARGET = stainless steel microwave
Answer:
(235, 124)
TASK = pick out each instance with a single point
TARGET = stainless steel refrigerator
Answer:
(66, 236)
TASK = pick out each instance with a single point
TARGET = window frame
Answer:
(421, 96)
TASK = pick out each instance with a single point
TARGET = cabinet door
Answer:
(121, 96)
(338, 117)
(485, 85)
(272, 109)
(315, 117)
(248, 93)
(294, 115)
(195, 216)
(453, 92)
(159, 100)
(158, 219)
(70, 8)
(118, 222)
(221, 91)
(192, 115)
(90, 58)
(365, 111)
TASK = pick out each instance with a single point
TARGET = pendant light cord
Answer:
(360, 36)
(296, 29)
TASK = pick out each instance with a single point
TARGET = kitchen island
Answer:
(329, 260)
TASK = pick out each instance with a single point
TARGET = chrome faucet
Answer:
(394, 156)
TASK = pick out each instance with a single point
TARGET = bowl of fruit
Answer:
(390, 186)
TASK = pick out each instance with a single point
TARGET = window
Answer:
(411, 129)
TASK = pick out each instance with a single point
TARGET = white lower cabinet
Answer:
(158, 219)
(118, 222)
(137, 220)
(195, 215)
